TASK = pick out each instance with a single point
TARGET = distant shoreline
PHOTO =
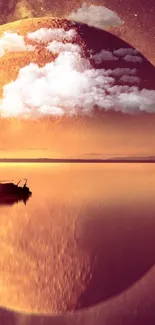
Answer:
(57, 160)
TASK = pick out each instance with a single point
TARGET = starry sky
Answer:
(138, 16)
(139, 24)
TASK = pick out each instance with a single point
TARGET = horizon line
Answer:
(78, 160)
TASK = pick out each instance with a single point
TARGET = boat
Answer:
(11, 193)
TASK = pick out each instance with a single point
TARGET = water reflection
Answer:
(121, 242)
(74, 215)
(11, 200)
(118, 244)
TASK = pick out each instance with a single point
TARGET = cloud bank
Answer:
(71, 85)
(96, 16)
(125, 54)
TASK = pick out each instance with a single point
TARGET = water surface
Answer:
(86, 235)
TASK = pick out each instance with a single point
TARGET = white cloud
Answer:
(96, 16)
(136, 101)
(130, 79)
(127, 54)
(50, 34)
(134, 59)
(12, 42)
(125, 51)
(118, 72)
(57, 47)
(69, 85)
(104, 55)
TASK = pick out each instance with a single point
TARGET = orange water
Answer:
(108, 209)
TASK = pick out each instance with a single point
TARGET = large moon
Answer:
(69, 90)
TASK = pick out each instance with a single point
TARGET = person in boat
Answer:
(24, 186)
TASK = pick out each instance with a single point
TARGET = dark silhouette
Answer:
(11, 193)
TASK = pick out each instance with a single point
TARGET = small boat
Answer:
(11, 193)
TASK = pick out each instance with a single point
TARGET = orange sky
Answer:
(107, 135)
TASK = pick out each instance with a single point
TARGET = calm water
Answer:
(85, 236)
